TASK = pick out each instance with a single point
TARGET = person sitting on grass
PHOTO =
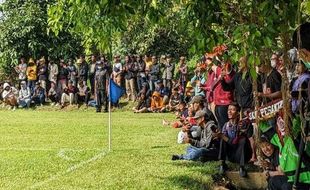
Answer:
(9, 96)
(181, 115)
(174, 101)
(53, 95)
(83, 93)
(143, 104)
(157, 104)
(24, 98)
(163, 91)
(205, 147)
(235, 140)
(38, 96)
(68, 95)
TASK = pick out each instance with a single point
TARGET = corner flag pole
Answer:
(110, 116)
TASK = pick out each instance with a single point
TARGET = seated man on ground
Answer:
(143, 104)
(83, 93)
(9, 96)
(68, 95)
(38, 96)
(24, 98)
(235, 140)
(53, 95)
(174, 101)
(157, 104)
(163, 91)
(205, 147)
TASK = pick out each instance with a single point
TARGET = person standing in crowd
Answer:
(31, 74)
(198, 82)
(168, 72)
(148, 64)
(38, 96)
(62, 75)
(183, 69)
(21, 70)
(209, 84)
(269, 83)
(9, 96)
(101, 85)
(24, 98)
(53, 72)
(274, 61)
(154, 73)
(241, 83)
(140, 72)
(42, 75)
(236, 146)
(301, 81)
(91, 74)
(204, 147)
(83, 69)
(72, 72)
(117, 70)
(129, 71)
(221, 97)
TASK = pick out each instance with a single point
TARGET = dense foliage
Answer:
(24, 32)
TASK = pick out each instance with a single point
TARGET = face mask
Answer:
(273, 63)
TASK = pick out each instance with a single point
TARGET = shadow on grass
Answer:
(160, 146)
(188, 182)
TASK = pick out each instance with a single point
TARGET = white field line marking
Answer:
(69, 170)
(62, 155)
(46, 149)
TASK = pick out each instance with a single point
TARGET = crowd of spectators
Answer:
(212, 103)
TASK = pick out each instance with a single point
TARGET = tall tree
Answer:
(24, 32)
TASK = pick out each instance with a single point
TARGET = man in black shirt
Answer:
(101, 83)
(269, 83)
(242, 84)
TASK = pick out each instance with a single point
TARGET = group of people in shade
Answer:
(211, 103)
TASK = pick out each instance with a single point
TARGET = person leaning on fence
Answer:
(204, 147)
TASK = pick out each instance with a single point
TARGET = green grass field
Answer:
(68, 150)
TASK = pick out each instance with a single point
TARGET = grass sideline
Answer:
(48, 149)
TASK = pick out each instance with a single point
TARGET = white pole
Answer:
(109, 116)
(110, 126)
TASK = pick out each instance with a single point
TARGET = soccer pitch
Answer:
(68, 150)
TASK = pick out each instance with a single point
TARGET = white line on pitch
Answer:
(69, 170)
(46, 149)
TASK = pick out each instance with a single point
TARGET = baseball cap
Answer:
(196, 99)
(199, 114)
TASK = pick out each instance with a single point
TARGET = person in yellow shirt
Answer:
(31, 74)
